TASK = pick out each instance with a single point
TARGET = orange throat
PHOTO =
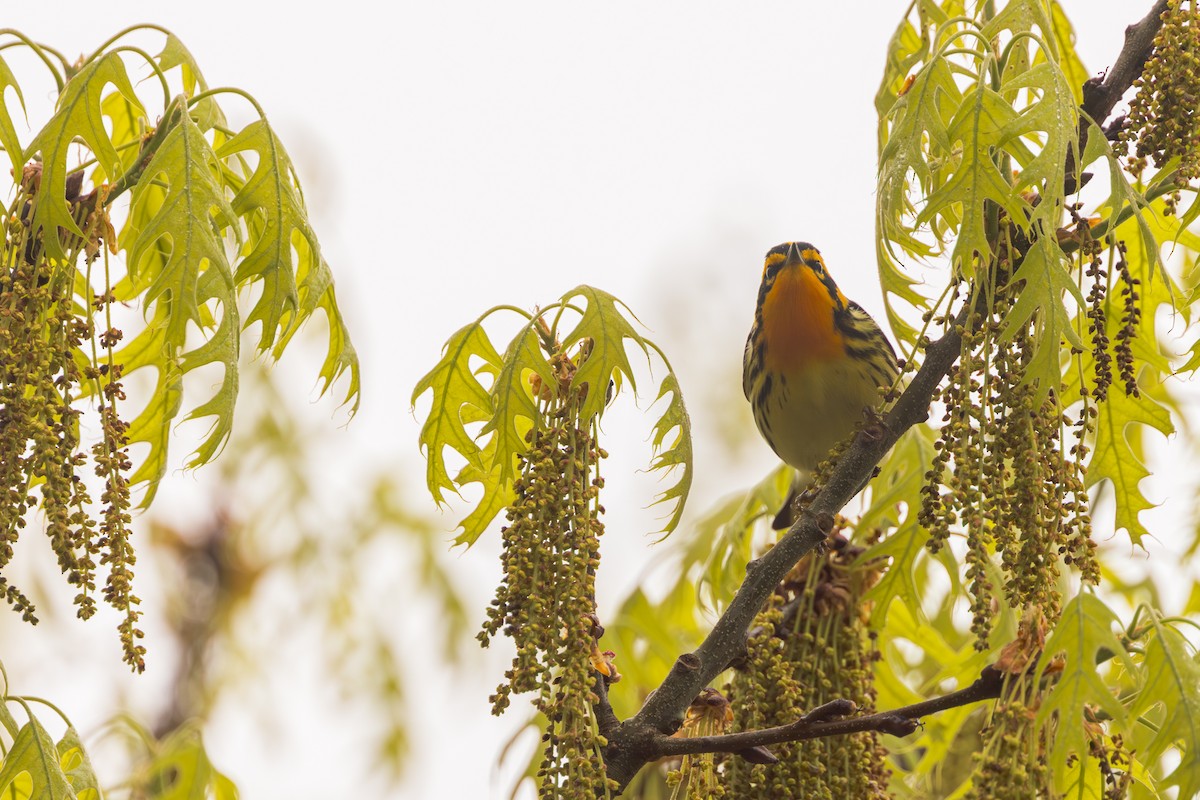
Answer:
(797, 320)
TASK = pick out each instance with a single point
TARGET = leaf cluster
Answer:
(34, 765)
(498, 396)
(215, 216)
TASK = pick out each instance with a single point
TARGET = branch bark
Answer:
(817, 724)
(640, 739)
(1100, 94)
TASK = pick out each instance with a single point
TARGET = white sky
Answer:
(457, 155)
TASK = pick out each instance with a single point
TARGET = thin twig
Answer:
(817, 725)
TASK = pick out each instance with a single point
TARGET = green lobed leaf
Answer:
(206, 112)
(1017, 16)
(126, 123)
(1171, 679)
(677, 454)
(272, 192)
(606, 325)
(1052, 121)
(1115, 458)
(1068, 59)
(77, 766)
(8, 131)
(914, 153)
(498, 494)
(606, 322)
(1084, 637)
(1042, 303)
(33, 754)
(456, 390)
(978, 127)
(79, 115)
(221, 348)
(182, 770)
(191, 217)
(514, 408)
(179, 257)
(340, 356)
(919, 120)
(271, 206)
(907, 47)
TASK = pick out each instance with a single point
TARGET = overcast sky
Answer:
(458, 155)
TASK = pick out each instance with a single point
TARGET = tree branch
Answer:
(1100, 94)
(637, 741)
(817, 724)
(606, 718)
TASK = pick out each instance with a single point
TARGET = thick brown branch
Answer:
(1100, 95)
(606, 718)
(816, 725)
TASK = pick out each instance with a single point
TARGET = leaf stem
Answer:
(171, 117)
(40, 50)
(229, 90)
(122, 34)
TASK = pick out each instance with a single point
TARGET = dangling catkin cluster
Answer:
(546, 602)
(1164, 117)
(1005, 476)
(697, 779)
(809, 646)
(1012, 762)
(46, 334)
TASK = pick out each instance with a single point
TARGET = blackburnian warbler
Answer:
(815, 362)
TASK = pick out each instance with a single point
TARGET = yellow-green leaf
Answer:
(33, 754)
(181, 770)
(78, 115)
(8, 131)
(606, 325)
(179, 258)
(456, 389)
(1083, 635)
(75, 763)
(1068, 59)
(1171, 679)
(678, 454)
(1042, 303)
(1116, 460)
(497, 494)
(205, 111)
(514, 408)
(282, 253)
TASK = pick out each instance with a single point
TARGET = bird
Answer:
(815, 362)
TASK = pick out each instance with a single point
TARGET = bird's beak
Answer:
(794, 259)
